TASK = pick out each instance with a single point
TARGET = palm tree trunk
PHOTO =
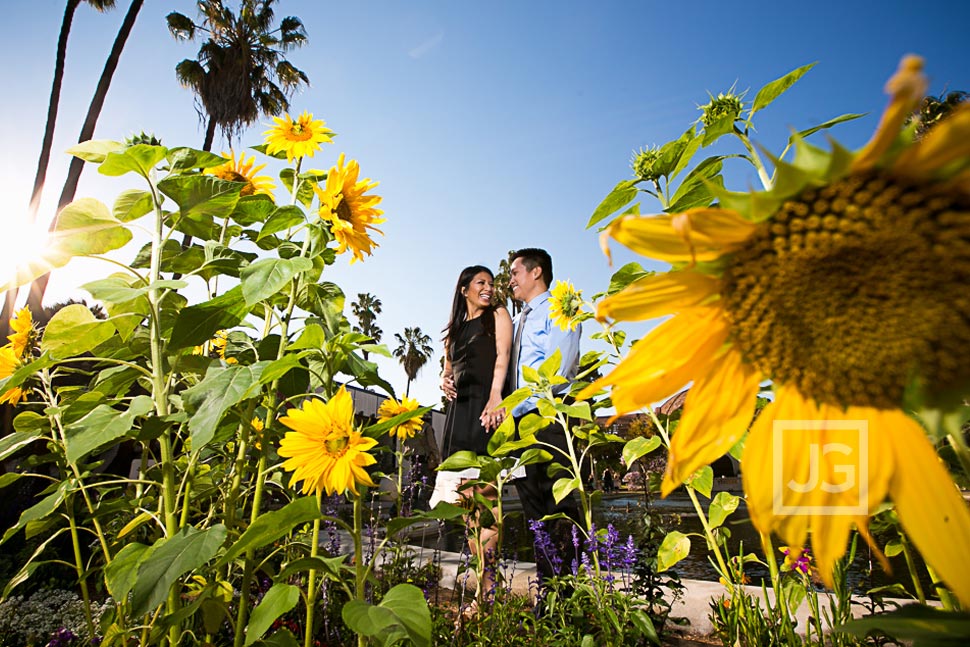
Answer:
(52, 105)
(39, 286)
(45, 148)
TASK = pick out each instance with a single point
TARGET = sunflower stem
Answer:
(911, 566)
(311, 594)
(766, 181)
(359, 571)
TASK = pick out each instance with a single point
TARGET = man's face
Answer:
(524, 282)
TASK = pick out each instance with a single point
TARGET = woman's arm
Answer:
(447, 384)
(492, 416)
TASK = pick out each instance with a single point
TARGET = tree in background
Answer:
(502, 294)
(366, 309)
(241, 72)
(414, 350)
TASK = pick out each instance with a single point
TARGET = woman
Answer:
(477, 342)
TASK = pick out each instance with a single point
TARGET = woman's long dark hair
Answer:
(459, 310)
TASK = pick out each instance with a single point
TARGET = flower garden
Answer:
(260, 509)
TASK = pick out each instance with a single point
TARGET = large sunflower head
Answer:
(241, 169)
(352, 213)
(10, 362)
(566, 305)
(323, 450)
(845, 285)
(391, 408)
(300, 137)
(24, 333)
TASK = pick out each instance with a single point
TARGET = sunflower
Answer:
(565, 305)
(257, 428)
(323, 450)
(299, 138)
(24, 334)
(242, 170)
(350, 211)
(219, 342)
(391, 408)
(845, 285)
(10, 362)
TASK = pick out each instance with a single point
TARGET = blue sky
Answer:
(490, 126)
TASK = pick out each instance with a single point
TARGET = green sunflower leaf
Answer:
(170, 558)
(695, 190)
(265, 278)
(828, 124)
(132, 204)
(270, 526)
(639, 447)
(282, 219)
(95, 150)
(183, 158)
(625, 276)
(102, 426)
(86, 227)
(721, 507)
(621, 195)
(140, 159)
(208, 401)
(202, 197)
(278, 600)
(198, 323)
(776, 88)
(74, 330)
(675, 547)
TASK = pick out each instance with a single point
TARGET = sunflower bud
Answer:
(721, 108)
(644, 163)
(142, 138)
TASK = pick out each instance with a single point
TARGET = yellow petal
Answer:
(702, 234)
(906, 88)
(949, 140)
(661, 363)
(658, 295)
(930, 508)
(717, 412)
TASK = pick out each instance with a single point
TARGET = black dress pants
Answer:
(535, 494)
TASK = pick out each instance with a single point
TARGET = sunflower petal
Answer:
(906, 88)
(658, 365)
(930, 508)
(717, 412)
(702, 234)
(657, 295)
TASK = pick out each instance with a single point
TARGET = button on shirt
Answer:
(540, 339)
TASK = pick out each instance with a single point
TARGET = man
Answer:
(536, 338)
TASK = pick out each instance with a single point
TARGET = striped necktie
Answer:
(513, 381)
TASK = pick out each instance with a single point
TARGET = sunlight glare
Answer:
(20, 243)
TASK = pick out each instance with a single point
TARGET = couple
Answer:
(484, 355)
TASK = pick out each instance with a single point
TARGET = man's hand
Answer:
(448, 387)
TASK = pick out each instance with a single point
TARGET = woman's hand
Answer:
(448, 386)
(493, 414)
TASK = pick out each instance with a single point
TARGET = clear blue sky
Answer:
(490, 126)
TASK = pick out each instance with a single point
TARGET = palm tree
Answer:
(39, 286)
(413, 350)
(366, 309)
(241, 72)
(503, 293)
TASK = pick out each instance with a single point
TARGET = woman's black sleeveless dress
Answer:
(472, 358)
